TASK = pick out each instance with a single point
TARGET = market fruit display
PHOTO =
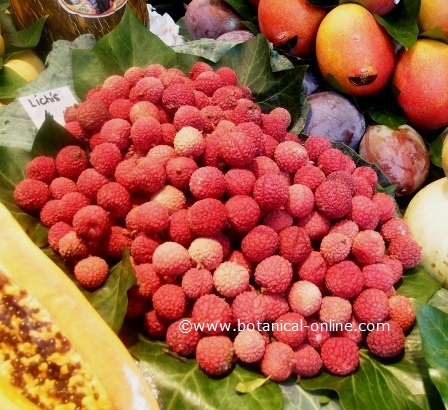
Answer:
(423, 99)
(55, 348)
(66, 21)
(291, 26)
(209, 248)
(425, 216)
(355, 50)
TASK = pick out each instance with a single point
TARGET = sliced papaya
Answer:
(55, 349)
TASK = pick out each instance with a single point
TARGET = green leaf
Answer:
(26, 38)
(252, 27)
(417, 284)
(111, 299)
(10, 82)
(296, 397)
(52, 137)
(433, 324)
(244, 9)
(128, 44)
(249, 387)
(384, 384)
(184, 386)
(206, 48)
(435, 33)
(440, 300)
(401, 22)
(435, 151)
(251, 61)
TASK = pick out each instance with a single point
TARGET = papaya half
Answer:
(67, 21)
(56, 352)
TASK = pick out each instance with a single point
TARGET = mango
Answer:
(421, 77)
(26, 64)
(433, 13)
(355, 50)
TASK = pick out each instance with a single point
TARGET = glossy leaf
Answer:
(417, 284)
(249, 387)
(184, 386)
(433, 324)
(244, 9)
(26, 38)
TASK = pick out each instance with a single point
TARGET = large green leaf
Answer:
(184, 386)
(417, 284)
(111, 299)
(128, 44)
(433, 324)
(244, 9)
(26, 38)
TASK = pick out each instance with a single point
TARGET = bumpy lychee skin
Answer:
(211, 116)
(317, 332)
(340, 356)
(176, 95)
(368, 247)
(197, 282)
(270, 191)
(189, 142)
(345, 279)
(206, 253)
(198, 68)
(307, 361)
(290, 329)
(50, 214)
(179, 230)
(255, 133)
(226, 97)
(215, 354)
(208, 82)
(309, 175)
(169, 301)
(42, 168)
(31, 194)
(371, 306)
(385, 204)
(305, 298)
(378, 276)
(394, 227)
(363, 187)
(71, 161)
(154, 325)
(346, 227)
(237, 149)
(89, 183)
(92, 114)
(249, 346)
(116, 131)
(115, 242)
(364, 213)
(333, 199)
(274, 274)
(146, 133)
(207, 182)
(179, 171)
(148, 176)
(262, 165)
(247, 309)
(143, 247)
(239, 181)
(277, 362)
(274, 305)
(300, 201)
(406, 250)
(56, 232)
(143, 109)
(335, 247)
(331, 160)
(230, 279)
(91, 223)
(182, 343)
(152, 218)
(213, 313)
(294, 244)
(401, 311)
(188, 116)
(228, 75)
(105, 158)
(70, 204)
(345, 178)
(334, 309)
(171, 259)
(386, 341)
(278, 220)
(147, 89)
(91, 272)
(120, 108)
(395, 267)
(115, 199)
(74, 127)
(274, 126)
(171, 198)
(313, 268)
(243, 212)
(315, 145)
(105, 95)
(260, 243)
(118, 84)
(72, 247)
(207, 217)
(368, 173)
(247, 111)
(290, 156)
(61, 186)
(315, 225)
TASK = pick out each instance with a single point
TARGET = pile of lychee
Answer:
(232, 222)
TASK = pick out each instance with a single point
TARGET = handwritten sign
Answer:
(53, 102)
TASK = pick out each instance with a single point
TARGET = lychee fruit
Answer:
(278, 220)
(197, 282)
(260, 243)
(340, 356)
(215, 354)
(401, 311)
(406, 249)
(313, 268)
(368, 247)
(335, 247)
(304, 297)
(230, 279)
(189, 142)
(206, 253)
(316, 145)
(309, 175)
(294, 244)
(378, 276)
(387, 340)
(239, 181)
(315, 225)
(364, 213)
(179, 171)
(91, 223)
(371, 306)
(333, 199)
(71, 161)
(89, 183)
(334, 309)
(274, 274)
(61, 186)
(236, 148)
(143, 247)
(169, 301)
(92, 114)
(290, 156)
(271, 191)
(207, 182)
(307, 361)
(300, 201)
(345, 279)
(115, 199)
(212, 313)
(247, 309)
(277, 362)
(249, 346)
(171, 259)
(91, 272)
(207, 217)
(42, 168)
(31, 194)
(181, 342)
(243, 212)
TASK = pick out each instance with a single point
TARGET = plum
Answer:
(334, 117)
(210, 19)
(401, 154)
(310, 83)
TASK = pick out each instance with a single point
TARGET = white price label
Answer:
(53, 102)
